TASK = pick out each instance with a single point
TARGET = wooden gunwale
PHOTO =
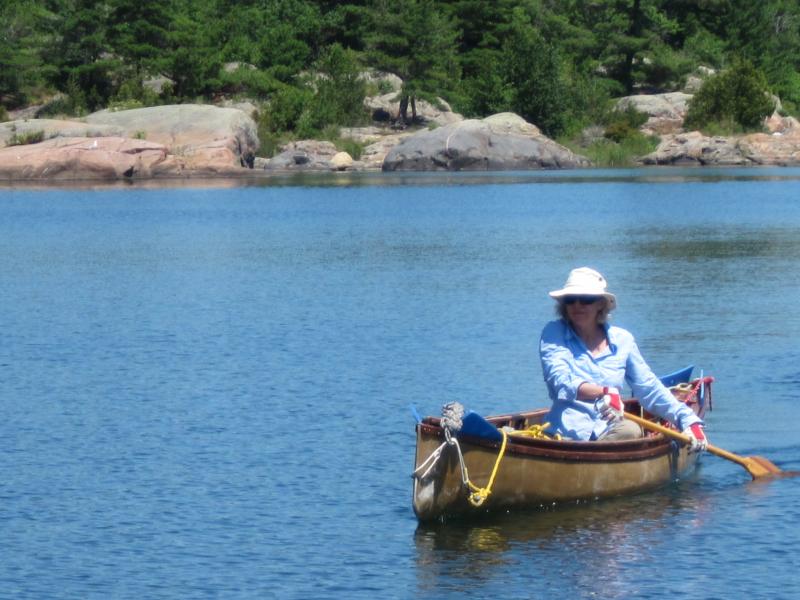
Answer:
(566, 450)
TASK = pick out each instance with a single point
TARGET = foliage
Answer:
(133, 93)
(483, 90)
(624, 124)
(284, 109)
(538, 89)
(608, 153)
(627, 37)
(31, 137)
(737, 98)
(24, 26)
(352, 147)
(418, 45)
(340, 91)
(194, 63)
(556, 63)
(249, 81)
(84, 64)
(334, 95)
(138, 31)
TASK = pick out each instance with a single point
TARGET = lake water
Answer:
(205, 390)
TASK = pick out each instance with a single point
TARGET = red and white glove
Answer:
(610, 405)
(697, 438)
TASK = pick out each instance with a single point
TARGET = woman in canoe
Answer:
(586, 361)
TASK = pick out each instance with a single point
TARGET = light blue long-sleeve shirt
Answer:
(567, 363)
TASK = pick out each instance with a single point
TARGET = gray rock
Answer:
(388, 105)
(495, 143)
(374, 154)
(54, 128)
(666, 112)
(508, 122)
(696, 80)
(388, 81)
(158, 83)
(305, 155)
(694, 148)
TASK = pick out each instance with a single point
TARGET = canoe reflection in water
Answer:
(591, 545)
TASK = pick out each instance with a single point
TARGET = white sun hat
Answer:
(585, 282)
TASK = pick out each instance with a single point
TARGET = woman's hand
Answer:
(610, 405)
(697, 438)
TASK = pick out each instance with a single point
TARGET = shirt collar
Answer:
(610, 336)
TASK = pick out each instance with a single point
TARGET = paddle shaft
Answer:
(685, 438)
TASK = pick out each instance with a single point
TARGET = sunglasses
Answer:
(585, 300)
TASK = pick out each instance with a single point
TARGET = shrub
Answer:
(285, 108)
(72, 103)
(665, 68)
(607, 153)
(133, 93)
(248, 81)
(737, 98)
(619, 131)
(32, 137)
(624, 124)
(62, 105)
(3, 114)
(352, 147)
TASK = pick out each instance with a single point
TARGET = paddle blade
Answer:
(758, 466)
(765, 468)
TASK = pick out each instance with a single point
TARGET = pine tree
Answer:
(534, 74)
(418, 44)
(24, 28)
(138, 30)
(85, 64)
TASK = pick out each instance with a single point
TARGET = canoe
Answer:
(506, 462)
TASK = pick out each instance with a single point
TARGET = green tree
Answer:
(484, 89)
(339, 95)
(194, 61)
(629, 35)
(767, 33)
(138, 30)
(418, 44)
(25, 25)
(280, 37)
(82, 56)
(340, 87)
(535, 76)
(737, 98)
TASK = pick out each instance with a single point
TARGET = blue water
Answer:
(205, 389)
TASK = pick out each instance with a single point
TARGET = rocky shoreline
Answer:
(202, 141)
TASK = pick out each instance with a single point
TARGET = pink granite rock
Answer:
(82, 158)
(780, 149)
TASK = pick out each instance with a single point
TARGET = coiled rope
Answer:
(451, 422)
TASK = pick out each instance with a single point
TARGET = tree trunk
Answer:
(404, 110)
(634, 31)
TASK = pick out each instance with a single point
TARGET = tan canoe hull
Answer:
(536, 473)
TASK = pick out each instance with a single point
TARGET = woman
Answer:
(586, 362)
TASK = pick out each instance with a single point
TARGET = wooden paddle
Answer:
(757, 466)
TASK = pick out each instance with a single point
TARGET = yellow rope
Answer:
(479, 494)
(537, 432)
